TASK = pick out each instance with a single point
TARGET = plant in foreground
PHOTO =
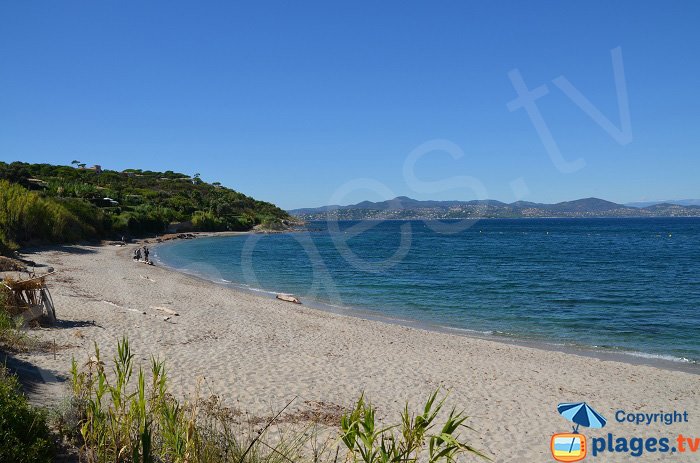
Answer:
(405, 442)
(123, 422)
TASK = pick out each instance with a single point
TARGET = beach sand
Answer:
(258, 353)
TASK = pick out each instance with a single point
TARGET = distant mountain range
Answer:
(679, 202)
(404, 208)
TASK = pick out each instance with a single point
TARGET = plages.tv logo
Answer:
(572, 446)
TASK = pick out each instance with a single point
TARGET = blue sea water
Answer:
(629, 285)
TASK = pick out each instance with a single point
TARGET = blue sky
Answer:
(290, 101)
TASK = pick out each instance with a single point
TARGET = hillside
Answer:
(675, 202)
(48, 203)
(403, 208)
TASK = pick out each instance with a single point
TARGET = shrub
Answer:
(91, 217)
(239, 223)
(24, 434)
(12, 337)
(207, 221)
(7, 247)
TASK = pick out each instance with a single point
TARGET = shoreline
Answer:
(665, 362)
(257, 353)
(476, 219)
(628, 357)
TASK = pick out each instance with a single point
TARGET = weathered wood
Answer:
(48, 304)
(32, 312)
(166, 310)
(30, 298)
(289, 298)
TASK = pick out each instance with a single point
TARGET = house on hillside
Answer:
(37, 184)
(96, 168)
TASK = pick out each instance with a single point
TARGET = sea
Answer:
(624, 285)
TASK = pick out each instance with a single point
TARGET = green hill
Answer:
(48, 203)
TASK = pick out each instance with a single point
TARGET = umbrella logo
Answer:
(568, 447)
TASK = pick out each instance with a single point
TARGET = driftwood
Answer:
(166, 310)
(288, 298)
(48, 304)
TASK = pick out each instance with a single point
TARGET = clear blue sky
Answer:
(287, 101)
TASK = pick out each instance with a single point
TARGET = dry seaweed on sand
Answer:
(8, 264)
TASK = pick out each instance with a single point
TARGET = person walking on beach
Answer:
(138, 254)
(146, 252)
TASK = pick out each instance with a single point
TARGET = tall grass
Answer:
(26, 216)
(126, 422)
(124, 415)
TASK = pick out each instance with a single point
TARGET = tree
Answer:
(75, 162)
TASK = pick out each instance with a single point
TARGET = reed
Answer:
(142, 422)
(412, 440)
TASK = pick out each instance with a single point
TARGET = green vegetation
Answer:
(12, 337)
(47, 203)
(113, 420)
(414, 440)
(24, 433)
(118, 421)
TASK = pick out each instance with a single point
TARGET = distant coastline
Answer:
(404, 208)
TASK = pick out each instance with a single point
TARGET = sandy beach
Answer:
(258, 353)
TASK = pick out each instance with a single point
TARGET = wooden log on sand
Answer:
(166, 310)
(288, 298)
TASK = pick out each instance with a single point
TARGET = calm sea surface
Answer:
(630, 285)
